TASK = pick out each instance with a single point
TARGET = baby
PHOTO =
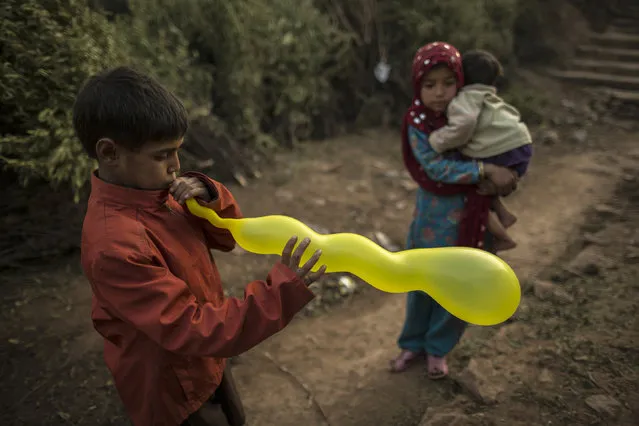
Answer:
(482, 126)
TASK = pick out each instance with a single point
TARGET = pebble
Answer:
(580, 136)
(479, 379)
(549, 137)
(450, 418)
(545, 290)
(589, 261)
(604, 405)
(385, 241)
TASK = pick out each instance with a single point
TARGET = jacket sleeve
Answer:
(437, 166)
(138, 289)
(223, 202)
(462, 119)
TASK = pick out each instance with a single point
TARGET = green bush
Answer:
(272, 62)
(150, 40)
(394, 29)
(47, 50)
(266, 71)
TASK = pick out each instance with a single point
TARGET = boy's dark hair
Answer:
(481, 67)
(128, 107)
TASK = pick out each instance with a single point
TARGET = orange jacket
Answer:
(158, 299)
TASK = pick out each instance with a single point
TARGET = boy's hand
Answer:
(184, 188)
(293, 261)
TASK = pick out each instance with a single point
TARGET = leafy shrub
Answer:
(266, 71)
(47, 50)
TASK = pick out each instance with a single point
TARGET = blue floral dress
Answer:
(429, 327)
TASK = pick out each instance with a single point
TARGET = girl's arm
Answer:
(440, 168)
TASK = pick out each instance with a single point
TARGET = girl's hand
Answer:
(486, 187)
(503, 178)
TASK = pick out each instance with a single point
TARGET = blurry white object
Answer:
(382, 71)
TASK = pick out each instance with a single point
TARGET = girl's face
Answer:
(438, 88)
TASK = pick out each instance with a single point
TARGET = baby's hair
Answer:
(128, 107)
(481, 67)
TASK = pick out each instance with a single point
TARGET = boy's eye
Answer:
(161, 156)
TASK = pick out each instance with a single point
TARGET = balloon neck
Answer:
(206, 213)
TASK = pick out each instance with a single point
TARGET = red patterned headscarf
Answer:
(475, 214)
(420, 117)
(426, 58)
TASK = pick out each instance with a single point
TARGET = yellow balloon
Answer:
(474, 285)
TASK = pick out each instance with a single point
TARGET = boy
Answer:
(487, 128)
(157, 296)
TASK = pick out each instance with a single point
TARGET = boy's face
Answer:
(155, 166)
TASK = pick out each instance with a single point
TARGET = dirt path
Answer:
(342, 358)
(332, 368)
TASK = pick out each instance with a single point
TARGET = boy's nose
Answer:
(174, 164)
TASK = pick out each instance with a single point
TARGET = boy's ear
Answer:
(106, 150)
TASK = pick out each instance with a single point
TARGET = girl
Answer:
(450, 211)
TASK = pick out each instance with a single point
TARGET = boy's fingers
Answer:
(177, 187)
(314, 276)
(310, 263)
(176, 184)
(185, 196)
(299, 251)
(180, 194)
(288, 250)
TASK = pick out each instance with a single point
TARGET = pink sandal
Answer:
(404, 360)
(437, 367)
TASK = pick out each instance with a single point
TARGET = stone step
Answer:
(626, 96)
(619, 68)
(624, 26)
(605, 53)
(628, 106)
(630, 10)
(623, 30)
(615, 40)
(599, 79)
(625, 22)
